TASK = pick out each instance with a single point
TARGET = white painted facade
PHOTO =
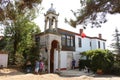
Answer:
(86, 44)
(4, 60)
(60, 56)
(67, 56)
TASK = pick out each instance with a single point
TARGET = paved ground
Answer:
(77, 73)
(12, 74)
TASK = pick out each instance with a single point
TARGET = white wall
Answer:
(63, 58)
(85, 44)
(67, 56)
(55, 60)
(101, 44)
(4, 59)
(76, 57)
(94, 43)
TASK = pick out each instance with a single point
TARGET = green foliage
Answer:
(21, 38)
(116, 68)
(116, 71)
(23, 7)
(20, 29)
(94, 12)
(84, 63)
(100, 59)
(19, 60)
(2, 43)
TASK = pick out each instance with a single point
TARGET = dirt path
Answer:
(12, 74)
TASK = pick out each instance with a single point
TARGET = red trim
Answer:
(66, 68)
(62, 69)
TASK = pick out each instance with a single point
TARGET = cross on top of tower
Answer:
(51, 9)
(51, 5)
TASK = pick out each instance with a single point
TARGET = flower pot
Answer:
(99, 71)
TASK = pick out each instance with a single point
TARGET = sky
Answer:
(63, 7)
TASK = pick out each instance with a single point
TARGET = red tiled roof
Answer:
(80, 34)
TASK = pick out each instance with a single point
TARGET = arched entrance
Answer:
(54, 45)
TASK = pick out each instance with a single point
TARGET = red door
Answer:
(53, 46)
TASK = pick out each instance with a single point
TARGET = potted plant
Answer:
(99, 71)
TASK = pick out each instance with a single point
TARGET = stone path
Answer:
(75, 73)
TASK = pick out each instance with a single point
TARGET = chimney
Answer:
(100, 36)
(81, 30)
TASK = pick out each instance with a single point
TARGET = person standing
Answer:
(41, 66)
(28, 66)
(73, 64)
(79, 65)
(37, 66)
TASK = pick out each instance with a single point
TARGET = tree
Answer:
(17, 16)
(93, 12)
(20, 38)
(116, 44)
(8, 7)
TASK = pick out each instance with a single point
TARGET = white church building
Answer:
(58, 46)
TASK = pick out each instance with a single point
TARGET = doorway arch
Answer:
(54, 45)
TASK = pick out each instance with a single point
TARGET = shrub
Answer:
(100, 59)
(19, 60)
(115, 70)
(84, 63)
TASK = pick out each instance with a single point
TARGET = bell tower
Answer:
(50, 41)
(51, 20)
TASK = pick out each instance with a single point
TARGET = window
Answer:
(103, 45)
(90, 44)
(37, 38)
(79, 42)
(98, 44)
(63, 40)
(68, 40)
(71, 41)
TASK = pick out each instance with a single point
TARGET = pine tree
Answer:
(116, 44)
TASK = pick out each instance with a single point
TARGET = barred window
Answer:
(63, 40)
(68, 40)
(90, 43)
(71, 41)
(98, 44)
(80, 42)
(103, 45)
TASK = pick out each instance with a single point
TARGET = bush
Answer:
(84, 63)
(19, 60)
(115, 71)
(100, 59)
